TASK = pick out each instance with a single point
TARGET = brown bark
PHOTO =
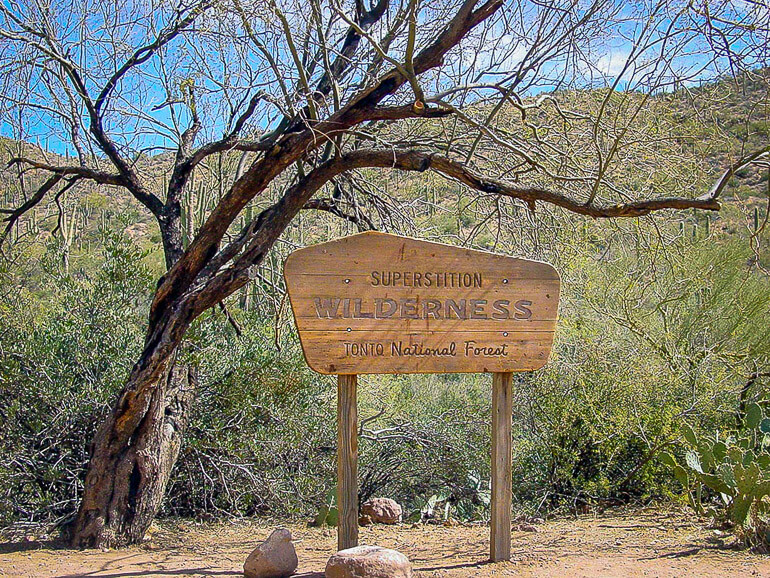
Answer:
(126, 481)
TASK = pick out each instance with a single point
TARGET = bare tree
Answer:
(308, 94)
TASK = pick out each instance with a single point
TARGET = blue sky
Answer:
(141, 119)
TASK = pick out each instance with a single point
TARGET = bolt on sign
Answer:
(379, 303)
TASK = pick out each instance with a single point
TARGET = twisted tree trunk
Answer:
(126, 481)
(136, 446)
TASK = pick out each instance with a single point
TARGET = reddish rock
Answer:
(382, 510)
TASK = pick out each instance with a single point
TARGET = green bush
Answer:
(63, 358)
(647, 338)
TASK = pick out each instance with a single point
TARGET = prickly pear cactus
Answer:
(737, 468)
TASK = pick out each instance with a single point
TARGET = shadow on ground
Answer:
(26, 546)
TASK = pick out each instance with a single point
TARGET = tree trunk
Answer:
(126, 482)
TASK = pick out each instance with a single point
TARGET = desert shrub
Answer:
(63, 358)
(432, 439)
(643, 344)
(649, 337)
(262, 437)
(585, 429)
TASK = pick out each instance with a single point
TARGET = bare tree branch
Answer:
(15, 214)
(101, 177)
(363, 222)
(293, 145)
(184, 18)
(259, 235)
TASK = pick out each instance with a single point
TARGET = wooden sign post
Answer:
(500, 516)
(378, 303)
(347, 461)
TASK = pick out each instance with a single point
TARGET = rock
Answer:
(273, 558)
(525, 528)
(368, 562)
(382, 510)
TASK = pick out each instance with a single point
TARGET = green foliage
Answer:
(328, 514)
(642, 342)
(736, 469)
(261, 440)
(645, 338)
(63, 358)
(433, 438)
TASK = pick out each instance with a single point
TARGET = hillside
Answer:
(719, 126)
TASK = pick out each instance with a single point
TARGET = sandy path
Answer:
(642, 543)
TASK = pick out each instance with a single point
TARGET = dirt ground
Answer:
(629, 543)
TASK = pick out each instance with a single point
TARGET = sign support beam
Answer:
(375, 303)
(347, 461)
(500, 522)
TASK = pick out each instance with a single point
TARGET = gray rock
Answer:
(382, 510)
(273, 558)
(368, 562)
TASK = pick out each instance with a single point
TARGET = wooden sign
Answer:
(379, 303)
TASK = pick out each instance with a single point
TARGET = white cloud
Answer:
(612, 63)
(499, 54)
